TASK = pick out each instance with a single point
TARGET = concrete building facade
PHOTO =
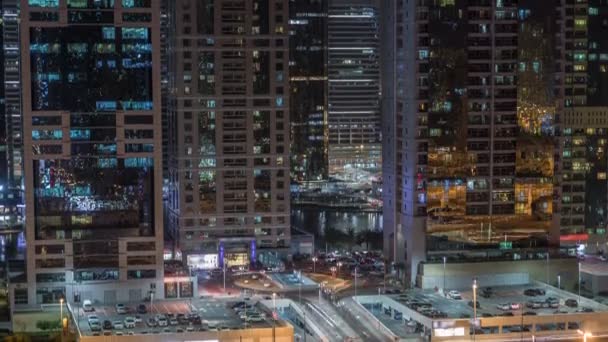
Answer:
(354, 120)
(470, 148)
(92, 151)
(228, 198)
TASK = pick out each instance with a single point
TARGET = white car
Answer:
(603, 257)
(173, 321)
(121, 309)
(129, 322)
(255, 318)
(118, 325)
(504, 306)
(454, 295)
(162, 321)
(87, 305)
(93, 319)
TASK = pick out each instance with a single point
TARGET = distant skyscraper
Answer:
(584, 138)
(470, 152)
(229, 111)
(92, 151)
(354, 86)
(308, 89)
(11, 143)
(12, 96)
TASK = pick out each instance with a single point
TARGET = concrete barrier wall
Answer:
(460, 275)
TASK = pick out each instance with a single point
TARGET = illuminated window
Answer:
(580, 67)
(593, 11)
(580, 23)
(603, 68)
(579, 56)
(43, 3)
(601, 175)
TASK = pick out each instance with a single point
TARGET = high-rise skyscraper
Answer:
(584, 138)
(229, 107)
(476, 97)
(308, 89)
(12, 95)
(354, 87)
(92, 150)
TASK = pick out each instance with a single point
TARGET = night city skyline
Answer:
(303, 170)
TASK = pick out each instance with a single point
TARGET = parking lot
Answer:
(513, 296)
(215, 314)
(393, 323)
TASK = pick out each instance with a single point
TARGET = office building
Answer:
(92, 152)
(228, 200)
(12, 96)
(477, 97)
(354, 118)
(583, 142)
(11, 172)
(308, 89)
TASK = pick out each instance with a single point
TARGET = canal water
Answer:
(317, 221)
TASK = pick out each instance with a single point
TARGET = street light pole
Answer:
(224, 267)
(444, 259)
(314, 264)
(355, 283)
(559, 282)
(579, 282)
(320, 286)
(61, 310)
(547, 269)
(474, 307)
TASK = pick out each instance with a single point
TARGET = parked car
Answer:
(534, 292)
(255, 318)
(515, 306)
(603, 257)
(161, 320)
(173, 321)
(454, 295)
(87, 305)
(533, 305)
(470, 303)
(93, 319)
(107, 324)
(487, 292)
(504, 306)
(141, 309)
(151, 322)
(121, 309)
(118, 325)
(571, 303)
(130, 322)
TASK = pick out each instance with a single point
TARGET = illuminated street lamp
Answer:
(60, 309)
(584, 334)
(314, 263)
(474, 307)
(339, 266)
(333, 270)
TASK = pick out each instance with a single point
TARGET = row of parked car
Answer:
(248, 312)
(422, 307)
